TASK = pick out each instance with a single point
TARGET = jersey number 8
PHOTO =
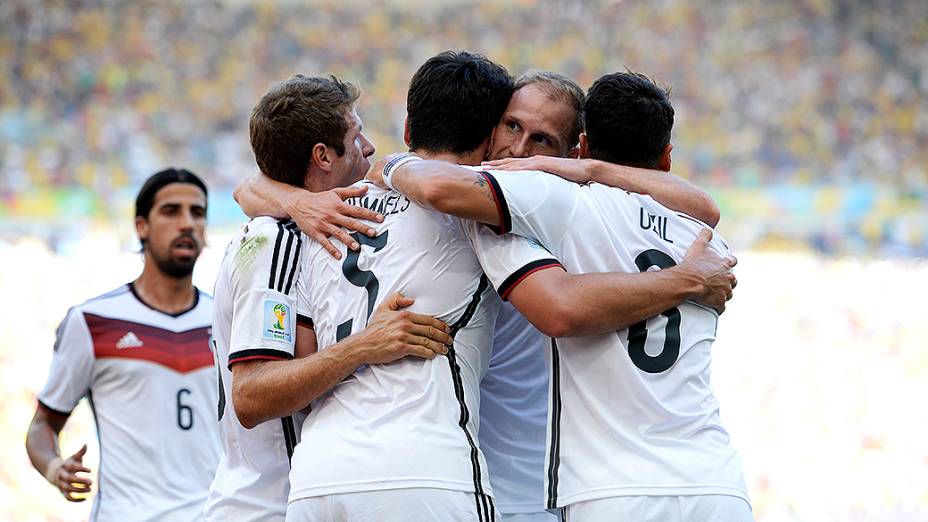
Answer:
(638, 332)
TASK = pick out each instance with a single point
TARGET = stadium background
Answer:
(806, 119)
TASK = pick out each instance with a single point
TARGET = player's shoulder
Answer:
(105, 303)
(718, 243)
(264, 236)
(269, 228)
(204, 296)
(105, 298)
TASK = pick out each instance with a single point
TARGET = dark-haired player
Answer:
(141, 355)
(634, 430)
(400, 440)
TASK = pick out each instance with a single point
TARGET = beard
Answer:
(175, 268)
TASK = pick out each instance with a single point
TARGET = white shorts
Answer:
(543, 516)
(695, 508)
(394, 505)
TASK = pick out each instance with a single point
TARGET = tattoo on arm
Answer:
(481, 182)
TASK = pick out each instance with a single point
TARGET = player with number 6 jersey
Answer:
(141, 355)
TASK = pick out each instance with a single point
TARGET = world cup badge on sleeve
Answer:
(278, 322)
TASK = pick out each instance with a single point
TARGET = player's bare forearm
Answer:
(565, 305)
(448, 188)
(264, 390)
(667, 189)
(259, 195)
(42, 438)
(66, 474)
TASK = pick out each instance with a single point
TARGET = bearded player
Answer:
(141, 356)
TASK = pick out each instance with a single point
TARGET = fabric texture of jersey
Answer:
(412, 423)
(152, 388)
(632, 412)
(255, 319)
(392, 505)
(513, 414)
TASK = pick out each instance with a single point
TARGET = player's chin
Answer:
(362, 169)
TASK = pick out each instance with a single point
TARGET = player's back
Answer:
(657, 429)
(411, 423)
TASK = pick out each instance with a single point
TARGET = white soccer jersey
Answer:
(255, 319)
(632, 412)
(152, 388)
(412, 423)
(513, 414)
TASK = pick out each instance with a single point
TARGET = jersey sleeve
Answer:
(304, 314)
(533, 204)
(507, 260)
(71, 371)
(265, 270)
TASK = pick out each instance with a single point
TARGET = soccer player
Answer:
(141, 355)
(400, 440)
(634, 430)
(542, 117)
(304, 132)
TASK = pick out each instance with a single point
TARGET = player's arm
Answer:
(319, 215)
(42, 448)
(567, 305)
(667, 189)
(442, 186)
(263, 390)
(69, 379)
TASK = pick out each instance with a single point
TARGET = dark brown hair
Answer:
(292, 117)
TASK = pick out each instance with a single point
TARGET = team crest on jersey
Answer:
(278, 322)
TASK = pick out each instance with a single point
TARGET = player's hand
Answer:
(321, 215)
(376, 173)
(711, 271)
(567, 168)
(63, 474)
(394, 333)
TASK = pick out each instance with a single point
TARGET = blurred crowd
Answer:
(799, 106)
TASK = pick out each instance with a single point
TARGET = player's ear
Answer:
(664, 163)
(322, 157)
(583, 147)
(485, 146)
(492, 141)
(406, 138)
(141, 229)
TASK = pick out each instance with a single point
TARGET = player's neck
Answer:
(167, 294)
(468, 158)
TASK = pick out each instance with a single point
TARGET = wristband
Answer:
(52, 470)
(394, 164)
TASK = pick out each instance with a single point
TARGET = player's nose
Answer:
(520, 148)
(367, 146)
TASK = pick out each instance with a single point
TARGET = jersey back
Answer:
(631, 412)
(411, 423)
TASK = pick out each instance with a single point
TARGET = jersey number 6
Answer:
(638, 332)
